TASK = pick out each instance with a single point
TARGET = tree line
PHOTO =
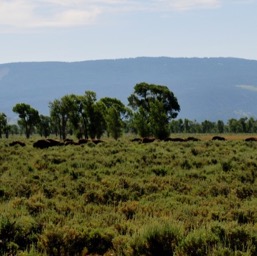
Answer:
(241, 125)
(151, 111)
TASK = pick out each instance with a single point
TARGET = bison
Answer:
(218, 138)
(192, 139)
(136, 140)
(42, 144)
(70, 142)
(55, 142)
(251, 139)
(22, 144)
(82, 141)
(148, 140)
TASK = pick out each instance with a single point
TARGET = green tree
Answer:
(140, 122)
(114, 123)
(14, 129)
(251, 125)
(70, 107)
(98, 122)
(233, 125)
(88, 113)
(177, 126)
(60, 113)
(29, 117)
(208, 126)
(114, 112)
(3, 123)
(243, 124)
(158, 120)
(155, 105)
(220, 126)
(44, 125)
(91, 115)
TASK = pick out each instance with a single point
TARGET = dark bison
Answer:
(218, 138)
(22, 144)
(192, 139)
(55, 142)
(42, 144)
(70, 142)
(148, 140)
(83, 141)
(251, 139)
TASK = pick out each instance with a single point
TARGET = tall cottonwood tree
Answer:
(3, 124)
(114, 112)
(44, 126)
(92, 123)
(60, 112)
(154, 106)
(29, 117)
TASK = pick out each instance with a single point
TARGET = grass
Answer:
(124, 198)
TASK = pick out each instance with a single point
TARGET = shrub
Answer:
(16, 234)
(199, 242)
(244, 192)
(186, 165)
(129, 209)
(226, 166)
(159, 171)
(99, 241)
(8, 231)
(156, 240)
(121, 245)
(238, 239)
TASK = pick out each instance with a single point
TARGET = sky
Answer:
(78, 30)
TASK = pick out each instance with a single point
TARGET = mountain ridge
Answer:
(206, 88)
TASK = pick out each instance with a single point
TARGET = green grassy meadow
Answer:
(126, 198)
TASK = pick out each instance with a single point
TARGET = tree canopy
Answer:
(29, 117)
(154, 106)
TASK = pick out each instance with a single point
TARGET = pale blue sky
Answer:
(66, 30)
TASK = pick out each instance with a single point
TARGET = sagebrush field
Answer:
(127, 198)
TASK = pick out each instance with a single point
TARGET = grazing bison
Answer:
(148, 140)
(42, 144)
(70, 142)
(55, 142)
(251, 139)
(22, 144)
(218, 138)
(192, 139)
(136, 140)
(83, 141)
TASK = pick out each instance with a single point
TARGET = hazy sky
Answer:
(75, 30)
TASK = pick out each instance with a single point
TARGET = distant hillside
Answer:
(206, 88)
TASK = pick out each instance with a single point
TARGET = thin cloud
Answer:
(67, 13)
(49, 13)
(248, 87)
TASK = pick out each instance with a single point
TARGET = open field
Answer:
(124, 198)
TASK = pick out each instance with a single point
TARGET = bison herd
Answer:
(47, 143)
(217, 138)
(148, 140)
